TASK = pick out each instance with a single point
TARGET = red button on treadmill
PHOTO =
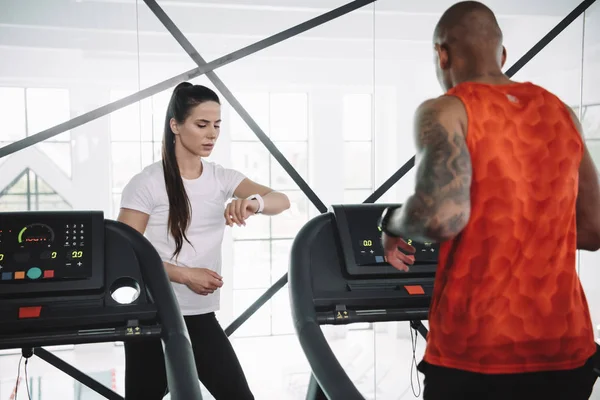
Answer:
(49, 273)
(29, 312)
(415, 289)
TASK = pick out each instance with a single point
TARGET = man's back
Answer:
(507, 297)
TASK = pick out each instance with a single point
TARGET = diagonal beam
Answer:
(391, 181)
(73, 372)
(550, 36)
(258, 303)
(186, 76)
(539, 46)
(237, 106)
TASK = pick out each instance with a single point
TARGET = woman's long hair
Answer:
(184, 98)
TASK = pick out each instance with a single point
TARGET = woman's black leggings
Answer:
(218, 367)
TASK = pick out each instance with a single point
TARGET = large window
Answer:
(261, 248)
(357, 125)
(136, 138)
(358, 147)
(27, 111)
(590, 122)
(29, 192)
(591, 127)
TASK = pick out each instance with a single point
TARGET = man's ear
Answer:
(443, 58)
(503, 59)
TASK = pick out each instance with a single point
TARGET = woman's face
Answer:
(199, 132)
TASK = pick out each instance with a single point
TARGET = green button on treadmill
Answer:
(34, 273)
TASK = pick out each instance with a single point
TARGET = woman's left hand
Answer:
(239, 210)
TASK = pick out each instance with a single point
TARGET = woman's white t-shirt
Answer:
(146, 192)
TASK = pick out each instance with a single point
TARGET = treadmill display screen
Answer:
(50, 250)
(366, 239)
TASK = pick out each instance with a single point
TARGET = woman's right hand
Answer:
(202, 280)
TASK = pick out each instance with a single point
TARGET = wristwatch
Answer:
(385, 219)
(261, 202)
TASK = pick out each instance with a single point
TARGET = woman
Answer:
(179, 204)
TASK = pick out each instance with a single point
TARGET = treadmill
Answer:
(338, 275)
(75, 277)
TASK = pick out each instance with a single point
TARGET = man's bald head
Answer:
(467, 39)
(468, 22)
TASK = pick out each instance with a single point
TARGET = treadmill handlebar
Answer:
(326, 368)
(182, 375)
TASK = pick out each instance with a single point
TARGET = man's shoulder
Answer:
(443, 103)
(442, 107)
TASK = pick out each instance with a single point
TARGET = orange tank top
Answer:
(507, 297)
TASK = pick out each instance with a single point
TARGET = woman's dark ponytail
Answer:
(185, 96)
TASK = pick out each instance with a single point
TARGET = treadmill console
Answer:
(51, 251)
(73, 277)
(337, 273)
(360, 242)
(70, 277)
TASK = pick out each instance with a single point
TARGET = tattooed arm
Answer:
(441, 205)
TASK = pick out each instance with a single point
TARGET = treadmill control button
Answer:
(34, 273)
(414, 289)
(29, 312)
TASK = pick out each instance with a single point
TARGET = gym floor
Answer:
(275, 366)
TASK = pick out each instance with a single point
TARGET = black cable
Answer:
(26, 381)
(413, 365)
(18, 378)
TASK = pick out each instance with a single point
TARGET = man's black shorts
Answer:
(452, 384)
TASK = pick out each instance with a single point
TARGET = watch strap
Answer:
(261, 202)
(385, 219)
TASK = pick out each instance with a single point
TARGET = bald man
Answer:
(506, 185)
